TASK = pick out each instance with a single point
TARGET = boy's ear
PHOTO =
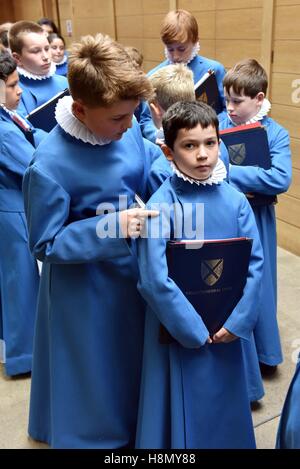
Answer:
(167, 152)
(78, 110)
(260, 97)
(157, 113)
(17, 58)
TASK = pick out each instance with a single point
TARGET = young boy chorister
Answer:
(19, 279)
(31, 50)
(194, 392)
(180, 36)
(245, 88)
(90, 318)
(171, 83)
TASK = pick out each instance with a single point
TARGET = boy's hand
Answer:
(132, 221)
(223, 336)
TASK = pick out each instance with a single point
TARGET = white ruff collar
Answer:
(63, 61)
(194, 52)
(218, 175)
(72, 126)
(263, 112)
(32, 76)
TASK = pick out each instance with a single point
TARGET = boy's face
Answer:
(107, 122)
(35, 56)
(195, 152)
(242, 108)
(12, 91)
(57, 50)
(180, 52)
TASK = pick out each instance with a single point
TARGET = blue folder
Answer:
(248, 145)
(43, 117)
(212, 275)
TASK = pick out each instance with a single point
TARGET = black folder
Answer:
(43, 117)
(212, 275)
(207, 91)
(248, 145)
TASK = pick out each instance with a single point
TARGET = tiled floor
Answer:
(14, 393)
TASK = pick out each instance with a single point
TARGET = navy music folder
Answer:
(248, 145)
(212, 275)
(43, 117)
(207, 91)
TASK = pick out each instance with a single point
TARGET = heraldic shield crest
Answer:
(211, 271)
(237, 153)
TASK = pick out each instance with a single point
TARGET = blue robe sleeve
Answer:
(220, 74)
(148, 128)
(38, 135)
(26, 103)
(274, 180)
(153, 151)
(52, 237)
(18, 152)
(163, 296)
(243, 318)
(160, 171)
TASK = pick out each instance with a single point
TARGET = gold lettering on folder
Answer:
(203, 97)
(211, 271)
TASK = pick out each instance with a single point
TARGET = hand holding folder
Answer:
(212, 275)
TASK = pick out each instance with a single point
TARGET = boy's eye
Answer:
(189, 146)
(211, 143)
(181, 49)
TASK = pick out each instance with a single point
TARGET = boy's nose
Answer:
(201, 154)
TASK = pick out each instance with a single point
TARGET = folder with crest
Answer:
(212, 275)
(248, 145)
(43, 117)
(207, 91)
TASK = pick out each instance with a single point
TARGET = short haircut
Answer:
(101, 73)
(50, 23)
(135, 55)
(53, 36)
(248, 77)
(7, 65)
(171, 84)
(187, 115)
(179, 26)
(18, 31)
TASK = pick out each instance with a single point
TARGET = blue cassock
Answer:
(37, 92)
(19, 279)
(195, 397)
(90, 319)
(62, 69)
(199, 66)
(273, 181)
(160, 170)
(288, 436)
